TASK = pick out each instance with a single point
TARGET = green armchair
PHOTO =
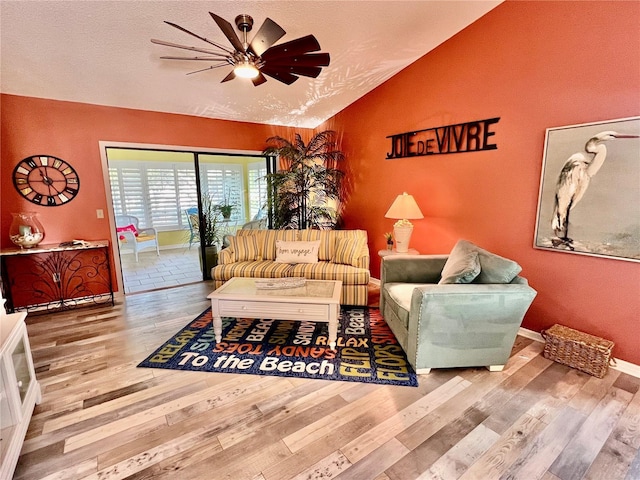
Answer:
(453, 324)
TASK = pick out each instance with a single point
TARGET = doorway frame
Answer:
(104, 144)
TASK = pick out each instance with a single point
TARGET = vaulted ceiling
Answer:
(100, 52)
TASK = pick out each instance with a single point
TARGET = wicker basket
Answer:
(579, 350)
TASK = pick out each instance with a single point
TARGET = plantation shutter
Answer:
(133, 184)
(224, 182)
(162, 186)
(187, 193)
(155, 192)
(158, 193)
(257, 172)
(117, 193)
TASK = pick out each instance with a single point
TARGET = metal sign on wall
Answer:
(459, 138)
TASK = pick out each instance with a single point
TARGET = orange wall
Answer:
(71, 131)
(535, 65)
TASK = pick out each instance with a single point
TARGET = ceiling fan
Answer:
(260, 57)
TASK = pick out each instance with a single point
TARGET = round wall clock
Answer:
(46, 180)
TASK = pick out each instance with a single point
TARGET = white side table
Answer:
(384, 253)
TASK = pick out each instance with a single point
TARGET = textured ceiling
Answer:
(100, 52)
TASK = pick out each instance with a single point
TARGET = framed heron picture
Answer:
(589, 200)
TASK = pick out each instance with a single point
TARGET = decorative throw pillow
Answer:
(460, 268)
(297, 252)
(127, 228)
(346, 251)
(493, 268)
(245, 249)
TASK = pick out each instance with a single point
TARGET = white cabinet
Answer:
(19, 390)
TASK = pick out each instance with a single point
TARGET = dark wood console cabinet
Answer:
(50, 277)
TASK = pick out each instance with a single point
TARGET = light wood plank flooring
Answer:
(103, 418)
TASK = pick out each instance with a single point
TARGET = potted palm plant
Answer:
(308, 188)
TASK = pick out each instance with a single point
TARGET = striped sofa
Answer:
(343, 255)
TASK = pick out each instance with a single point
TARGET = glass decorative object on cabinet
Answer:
(26, 231)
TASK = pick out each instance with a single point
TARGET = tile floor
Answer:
(173, 267)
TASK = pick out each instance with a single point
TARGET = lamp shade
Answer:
(404, 206)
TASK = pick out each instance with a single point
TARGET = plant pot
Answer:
(226, 211)
(211, 260)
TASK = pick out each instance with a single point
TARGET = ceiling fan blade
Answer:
(231, 76)
(305, 71)
(270, 32)
(208, 59)
(229, 32)
(210, 42)
(306, 60)
(185, 47)
(208, 68)
(280, 75)
(299, 46)
(259, 80)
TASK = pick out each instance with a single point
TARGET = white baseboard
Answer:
(625, 367)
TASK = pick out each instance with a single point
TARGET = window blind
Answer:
(158, 193)
(257, 172)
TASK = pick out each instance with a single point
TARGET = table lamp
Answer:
(404, 207)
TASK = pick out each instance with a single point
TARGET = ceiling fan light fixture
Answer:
(246, 70)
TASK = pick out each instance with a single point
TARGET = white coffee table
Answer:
(316, 300)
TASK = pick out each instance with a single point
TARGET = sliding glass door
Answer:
(164, 189)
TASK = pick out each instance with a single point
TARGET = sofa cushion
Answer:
(244, 248)
(327, 241)
(461, 267)
(297, 252)
(399, 295)
(331, 271)
(493, 268)
(255, 269)
(266, 240)
(347, 251)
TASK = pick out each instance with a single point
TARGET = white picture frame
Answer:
(589, 198)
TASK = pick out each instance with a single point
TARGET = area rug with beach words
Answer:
(366, 351)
